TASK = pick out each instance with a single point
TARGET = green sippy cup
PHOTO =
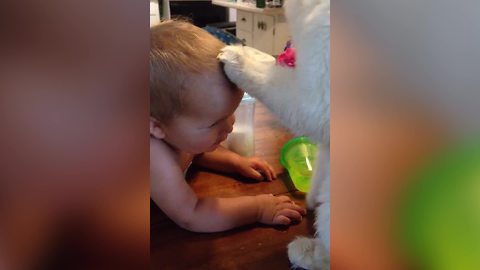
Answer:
(298, 157)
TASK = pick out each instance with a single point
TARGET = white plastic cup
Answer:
(242, 138)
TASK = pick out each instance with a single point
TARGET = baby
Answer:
(191, 113)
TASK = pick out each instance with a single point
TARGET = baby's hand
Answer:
(253, 167)
(278, 210)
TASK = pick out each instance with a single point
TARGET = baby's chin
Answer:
(199, 150)
(213, 147)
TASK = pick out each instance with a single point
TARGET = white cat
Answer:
(300, 97)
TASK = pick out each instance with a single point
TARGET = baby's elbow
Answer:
(193, 219)
(185, 223)
(188, 220)
(189, 224)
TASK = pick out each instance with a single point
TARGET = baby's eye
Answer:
(216, 123)
(212, 125)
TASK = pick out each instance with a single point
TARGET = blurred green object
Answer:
(440, 216)
(260, 3)
(298, 157)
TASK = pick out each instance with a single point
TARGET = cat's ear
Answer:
(155, 129)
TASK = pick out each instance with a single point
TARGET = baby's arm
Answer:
(174, 196)
(227, 161)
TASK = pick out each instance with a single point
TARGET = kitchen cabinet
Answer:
(262, 28)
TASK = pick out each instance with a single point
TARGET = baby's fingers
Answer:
(293, 207)
(252, 173)
(283, 220)
(299, 209)
(263, 166)
(269, 171)
(291, 214)
(272, 171)
(288, 203)
(285, 199)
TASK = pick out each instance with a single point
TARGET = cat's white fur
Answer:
(300, 97)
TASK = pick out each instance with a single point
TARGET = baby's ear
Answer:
(155, 129)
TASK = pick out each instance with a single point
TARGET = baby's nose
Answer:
(229, 128)
(231, 121)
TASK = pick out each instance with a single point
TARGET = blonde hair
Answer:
(177, 48)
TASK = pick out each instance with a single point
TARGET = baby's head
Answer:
(191, 100)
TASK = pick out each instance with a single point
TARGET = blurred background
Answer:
(74, 144)
(405, 92)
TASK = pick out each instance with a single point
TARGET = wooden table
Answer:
(249, 247)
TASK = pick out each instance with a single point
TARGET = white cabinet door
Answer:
(263, 29)
(244, 20)
(245, 37)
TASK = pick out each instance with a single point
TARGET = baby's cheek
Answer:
(209, 137)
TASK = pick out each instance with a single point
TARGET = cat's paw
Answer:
(233, 60)
(245, 66)
(308, 253)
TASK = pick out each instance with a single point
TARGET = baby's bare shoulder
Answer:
(160, 148)
(162, 157)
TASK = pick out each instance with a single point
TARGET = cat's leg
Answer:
(309, 24)
(313, 253)
(312, 195)
(279, 89)
(322, 224)
(257, 73)
(319, 195)
(322, 213)
(308, 253)
(320, 183)
(299, 96)
(301, 13)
